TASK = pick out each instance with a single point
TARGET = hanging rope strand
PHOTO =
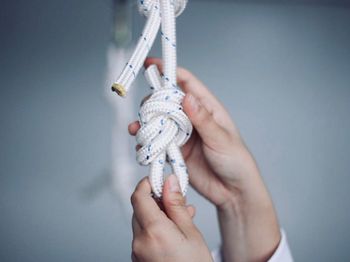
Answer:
(150, 9)
(168, 43)
(164, 125)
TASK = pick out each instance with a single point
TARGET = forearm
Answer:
(248, 223)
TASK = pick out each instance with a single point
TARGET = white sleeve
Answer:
(282, 253)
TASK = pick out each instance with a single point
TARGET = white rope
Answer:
(123, 169)
(164, 125)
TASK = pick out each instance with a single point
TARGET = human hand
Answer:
(223, 170)
(167, 233)
(217, 159)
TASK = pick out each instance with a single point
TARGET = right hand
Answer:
(217, 159)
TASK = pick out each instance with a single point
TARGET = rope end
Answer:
(119, 89)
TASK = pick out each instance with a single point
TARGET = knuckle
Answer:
(156, 235)
(137, 247)
(153, 228)
(204, 115)
(177, 201)
(135, 198)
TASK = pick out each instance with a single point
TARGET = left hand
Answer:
(168, 233)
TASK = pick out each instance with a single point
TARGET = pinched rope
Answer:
(164, 125)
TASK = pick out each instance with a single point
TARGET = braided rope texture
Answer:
(164, 125)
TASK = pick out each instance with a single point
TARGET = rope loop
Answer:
(145, 6)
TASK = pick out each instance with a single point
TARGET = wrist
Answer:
(248, 223)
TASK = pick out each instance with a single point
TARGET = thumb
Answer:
(175, 204)
(211, 133)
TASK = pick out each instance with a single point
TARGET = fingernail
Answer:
(193, 103)
(174, 184)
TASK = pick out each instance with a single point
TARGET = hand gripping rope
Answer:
(164, 125)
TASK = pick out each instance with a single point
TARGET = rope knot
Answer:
(164, 129)
(146, 6)
(163, 122)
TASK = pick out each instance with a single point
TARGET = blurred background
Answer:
(282, 68)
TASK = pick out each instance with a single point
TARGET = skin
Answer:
(165, 232)
(222, 170)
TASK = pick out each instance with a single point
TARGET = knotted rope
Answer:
(164, 125)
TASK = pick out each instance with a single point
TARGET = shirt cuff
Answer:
(281, 254)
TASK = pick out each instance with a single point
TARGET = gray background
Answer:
(282, 70)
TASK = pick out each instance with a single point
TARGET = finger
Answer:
(136, 227)
(145, 208)
(211, 133)
(191, 210)
(133, 128)
(175, 204)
